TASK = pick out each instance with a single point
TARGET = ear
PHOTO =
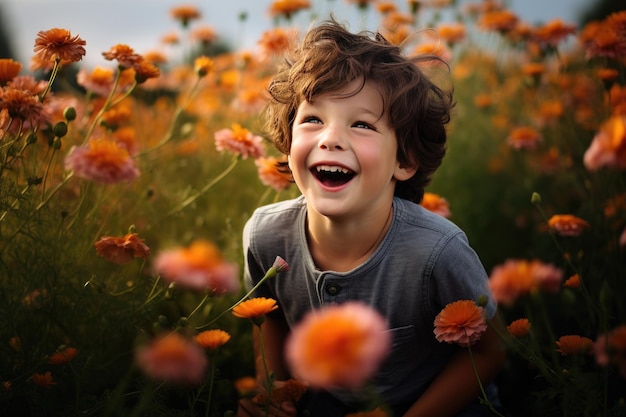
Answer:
(403, 173)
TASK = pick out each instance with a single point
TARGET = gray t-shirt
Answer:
(423, 263)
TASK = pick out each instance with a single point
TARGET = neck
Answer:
(343, 245)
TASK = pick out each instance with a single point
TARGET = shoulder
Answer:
(414, 215)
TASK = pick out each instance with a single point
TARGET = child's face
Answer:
(343, 153)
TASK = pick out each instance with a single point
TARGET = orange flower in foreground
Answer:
(524, 138)
(567, 224)
(44, 380)
(174, 359)
(212, 339)
(59, 44)
(339, 346)
(608, 147)
(519, 327)
(239, 141)
(61, 357)
(270, 174)
(121, 250)
(573, 344)
(461, 322)
(102, 160)
(200, 266)
(436, 204)
(254, 308)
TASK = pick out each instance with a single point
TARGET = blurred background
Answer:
(238, 23)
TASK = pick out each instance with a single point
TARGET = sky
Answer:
(142, 23)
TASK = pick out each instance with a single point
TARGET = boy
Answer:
(364, 131)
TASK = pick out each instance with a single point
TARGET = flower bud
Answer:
(56, 144)
(69, 113)
(482, 300)
(535, 198)
(60, 129)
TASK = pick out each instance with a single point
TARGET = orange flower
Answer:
(524, 138)
(483, 100)
(287, 8)
(144, 70)
(212, 339)
(553, 32)
(572, 282)
(291, 390)
(608, 147)
(270, 173)
(172, 358)
(573, 344)
(461, 322)
(200, 266)
(451, 32)
(204, 34)
(255, 308)
(240, 141)
(63, 356)
(56, 43)
(22, 104)
(277, 41)
(519, 327)
(498, 20)
(246, 386)
(185, 14)
(203, 65)
(436, 204)
(121, 250)
(567, 224)
(99, 80)
(102, 160)
(44, 380)
(124, 54)
(9, 69)
(516, 278)
(338, 346)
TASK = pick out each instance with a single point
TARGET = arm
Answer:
(456, 386)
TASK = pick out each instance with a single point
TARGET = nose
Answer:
(332, 139)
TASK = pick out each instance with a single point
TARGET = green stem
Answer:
(211, 381)
(485, 400)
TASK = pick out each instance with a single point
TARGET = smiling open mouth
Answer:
(332, 176)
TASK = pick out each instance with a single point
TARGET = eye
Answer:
(363, 125)
(310, 119)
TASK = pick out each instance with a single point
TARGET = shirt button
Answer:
(332, 289)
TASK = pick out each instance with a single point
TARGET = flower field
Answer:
(124, 189)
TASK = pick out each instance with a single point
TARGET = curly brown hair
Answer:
(330, 57)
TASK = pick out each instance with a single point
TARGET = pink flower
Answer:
(340, 346)
(611, 349)
(461, 322)
(608, 147)
(173, 359)
(122, 250)
(239, 141)
(622, 238)
(199, 266)
(515, 278)
(103, 161)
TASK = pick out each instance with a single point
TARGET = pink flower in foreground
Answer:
(103, 161)
(239, 141)
(608, 147)
(611, 349)
(340, 346)
(516, 278)
(199, 266)
(461, 322)
(173, 359)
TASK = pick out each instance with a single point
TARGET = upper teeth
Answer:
(332, 168)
